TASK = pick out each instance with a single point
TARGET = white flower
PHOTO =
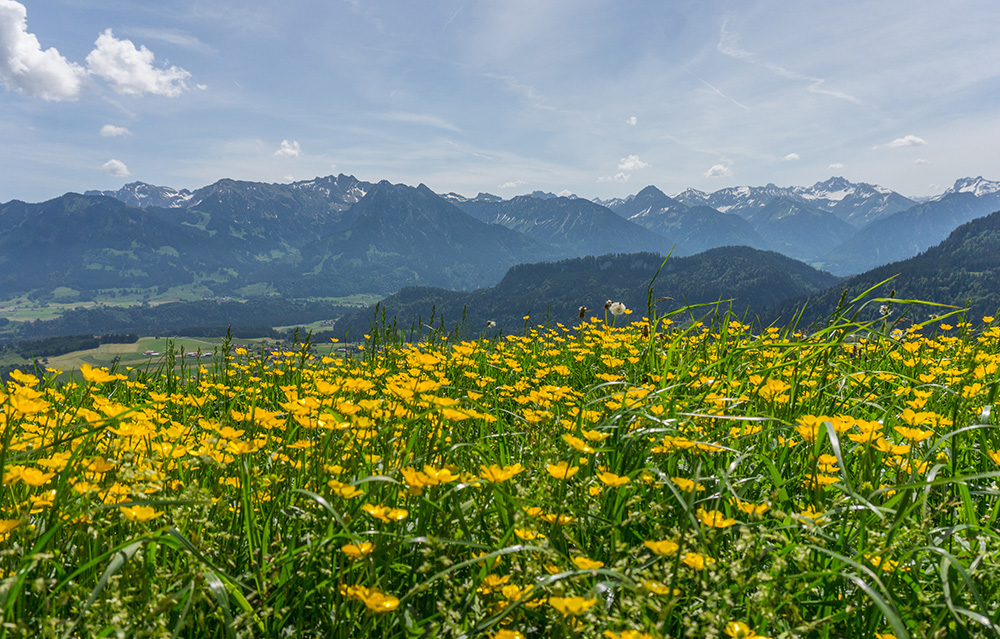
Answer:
(617, 308)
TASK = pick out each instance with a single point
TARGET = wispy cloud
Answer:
(728, 45)
(419, 118)
(170, 36)
(513, 184)
(617, 177)
(632, 121)
(720, 93)
(791, 157)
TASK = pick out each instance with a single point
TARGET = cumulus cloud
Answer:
(791, 157)
(921, 161)
(835, 166)
(289, 149)
(513, 184)
(112, 131)
(116, 168)
(631, 163)
(632, 120)
(26, 67)
(131, 70)
(908, 140)
(564, 193)
(717, 170)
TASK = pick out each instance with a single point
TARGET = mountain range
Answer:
(337, 235)
(764, 288)
(739, 278)
(962, 271)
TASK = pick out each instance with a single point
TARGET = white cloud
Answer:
(835, 166)
(617, 177)
(112, 131)
(791, 157)
(908, 140)
(116, 168)
(25, 67)
(289, 149)
(632, 120)
(631, 163)
(717, 170)
(513, 184)
(921, 161)
(565, 193)
(131, 70)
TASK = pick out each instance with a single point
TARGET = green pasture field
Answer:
(661, 479)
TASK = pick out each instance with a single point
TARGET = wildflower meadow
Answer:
(679, 476)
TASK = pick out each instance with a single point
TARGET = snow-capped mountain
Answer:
(854, 203)
(689, 228)
(141, 195)
(739, 200)
(455, 198)
(977, 186)
(344, 189)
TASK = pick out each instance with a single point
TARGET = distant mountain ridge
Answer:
(854, 203)
(907, 233)
(574, 226)
(693, 228)
(555, 291)
(338, 235)
(963, 268)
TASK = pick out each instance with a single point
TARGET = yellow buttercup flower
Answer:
(739, 630)
(347, 491)
(714, 518)
(577, 444)
(664, 547)
(97, 375)
(696, 561)
(497, 474)
(34, 477)
(140, 513)
(571, 606)
(583, 563)
(385, 513)
(751, 509)
(562, 470)
(687, 485)
(612, 480)
(357, 551)
(372, 598)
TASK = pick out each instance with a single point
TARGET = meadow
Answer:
(671, 477)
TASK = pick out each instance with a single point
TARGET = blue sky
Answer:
(598, 98)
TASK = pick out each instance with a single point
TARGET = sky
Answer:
(592, 97)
